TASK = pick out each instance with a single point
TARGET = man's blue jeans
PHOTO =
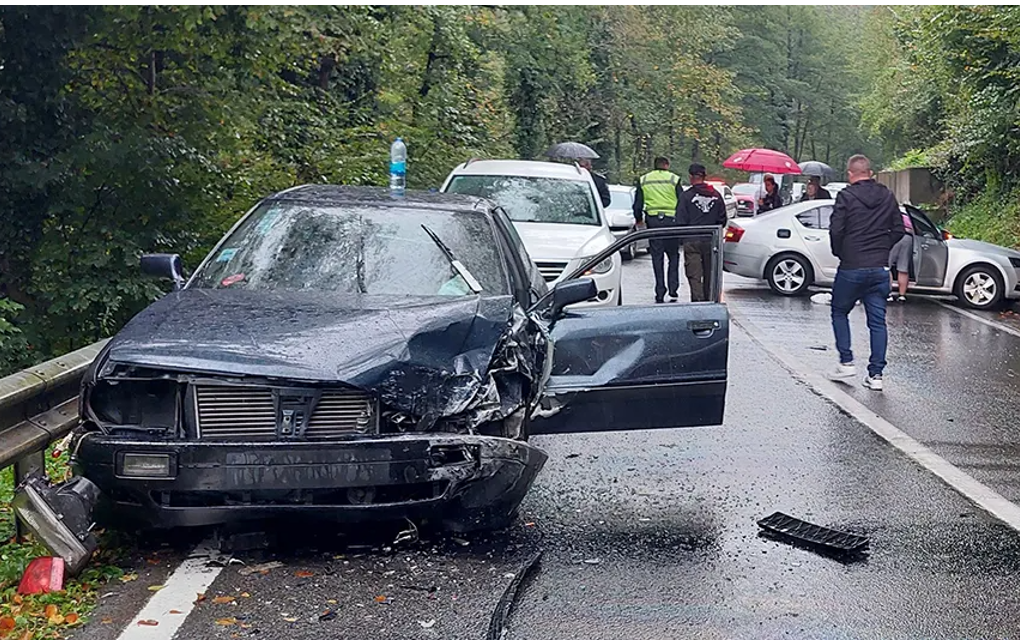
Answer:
(870, 286)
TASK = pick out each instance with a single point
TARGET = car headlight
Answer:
(603, 267)
(144, 403)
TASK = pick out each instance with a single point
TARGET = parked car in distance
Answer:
(557, 212)
(789, 248)
(835, 187)
(620, 213)
(728, 197)
(347, 355)
(746, 195)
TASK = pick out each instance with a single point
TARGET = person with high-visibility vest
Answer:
(655, 199)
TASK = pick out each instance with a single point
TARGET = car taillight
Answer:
(733, 234)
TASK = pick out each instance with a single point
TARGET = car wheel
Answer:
(628, 253)
(789, 274)
(980, 287)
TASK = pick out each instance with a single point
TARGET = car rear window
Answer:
(355, 249)
(528, 199)
(621, 200)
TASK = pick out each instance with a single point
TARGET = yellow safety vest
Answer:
(659, 191)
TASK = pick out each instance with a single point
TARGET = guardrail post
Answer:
(24, 467)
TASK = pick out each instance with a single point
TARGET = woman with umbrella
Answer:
(816, 170)
(771, 199)
(814, 190)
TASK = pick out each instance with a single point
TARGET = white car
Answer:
(620, 213)
(789, 248)
(556, 210)
(727, 195)
(835, 187)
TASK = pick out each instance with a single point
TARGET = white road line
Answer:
(981, 495)
(981, 319)
(179, 593)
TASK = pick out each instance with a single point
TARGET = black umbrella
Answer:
(815, 168)
(571, 150)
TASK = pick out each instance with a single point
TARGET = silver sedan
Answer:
(789, 249)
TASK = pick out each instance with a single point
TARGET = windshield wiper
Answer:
(457, 265)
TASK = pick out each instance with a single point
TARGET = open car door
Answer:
(640, 367)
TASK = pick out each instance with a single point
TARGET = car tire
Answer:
(980, 287)
(789, 274)
(628, 253)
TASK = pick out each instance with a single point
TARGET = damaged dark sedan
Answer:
(348, 355)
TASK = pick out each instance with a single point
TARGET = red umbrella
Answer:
(762, 161)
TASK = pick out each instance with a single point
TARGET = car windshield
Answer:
(621, 200)
(528, 199)
(745, 189)
(355, 249)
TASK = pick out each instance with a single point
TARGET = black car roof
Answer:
(380, 197)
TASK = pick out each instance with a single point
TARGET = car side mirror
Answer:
(571, 292)
(164, 265)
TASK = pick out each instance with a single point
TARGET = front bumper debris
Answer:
(462, 483)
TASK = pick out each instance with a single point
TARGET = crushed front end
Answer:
(403, 432)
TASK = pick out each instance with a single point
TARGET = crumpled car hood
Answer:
(427, 356)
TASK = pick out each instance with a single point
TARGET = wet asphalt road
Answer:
(653, 535)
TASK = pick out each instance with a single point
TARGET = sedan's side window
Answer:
(924, 227)
(824, 214)
(809, 219)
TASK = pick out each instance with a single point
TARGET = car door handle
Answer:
(812, 238)
(703, 328)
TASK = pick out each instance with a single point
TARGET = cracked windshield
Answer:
(509, 322)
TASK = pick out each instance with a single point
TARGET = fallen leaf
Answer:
(331, 601)
(28, 635)
(106, 621)
(71, 618)
(18, 599)
(175, 611)
(55, 619)
(327, 615)
(304, 574)
(223, 599)
(380, 598)
(156, 587)
(6, 623)
(226, 622)
(149, 623)
(290, 619)
(199, 598)
(50, 610)
(245, 595)
(129, 577)
(245, 625)
(152, 561)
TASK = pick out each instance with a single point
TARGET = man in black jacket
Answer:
(600, 183)
(701, 205)
(865, 224)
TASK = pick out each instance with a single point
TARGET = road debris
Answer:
(462, 542)
(790, 529)
(427, 624)
(497, 623)
(60, 516)
(327, 615)
(42, 575)
(260, 568)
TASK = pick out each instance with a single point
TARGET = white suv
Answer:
(557, 212)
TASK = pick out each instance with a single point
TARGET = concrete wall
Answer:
(916, 186)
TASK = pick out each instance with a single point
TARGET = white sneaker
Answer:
(844, 372)
(873, 382)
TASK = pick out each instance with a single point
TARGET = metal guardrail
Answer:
(39, 406)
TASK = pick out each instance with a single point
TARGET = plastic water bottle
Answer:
(398, 167)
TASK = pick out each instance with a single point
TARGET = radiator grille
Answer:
(237, 413)
(551, 270)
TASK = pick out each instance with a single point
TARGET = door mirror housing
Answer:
(164, 265)
(571, 292)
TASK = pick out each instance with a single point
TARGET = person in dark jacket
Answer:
(865, 225)
(600, 183)
(701, 205)
(771, 200)
(814, 191)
